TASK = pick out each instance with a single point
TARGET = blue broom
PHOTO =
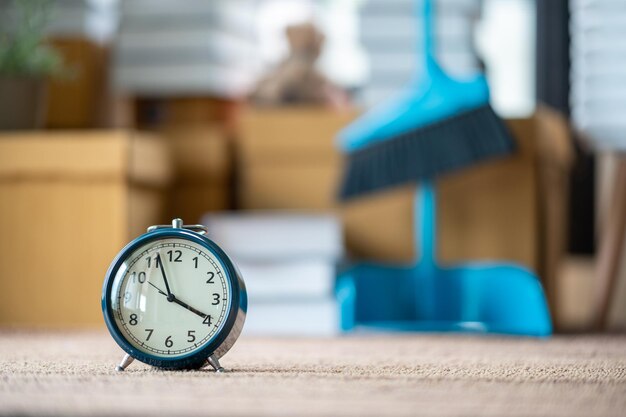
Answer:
(438, 124)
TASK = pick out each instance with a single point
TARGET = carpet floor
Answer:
(72, 374)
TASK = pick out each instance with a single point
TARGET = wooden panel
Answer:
(191, 201)
(181, 111)
(79, 99)
(200, 153)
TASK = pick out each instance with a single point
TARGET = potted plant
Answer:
(26, 62)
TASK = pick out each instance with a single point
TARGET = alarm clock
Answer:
(173, 299)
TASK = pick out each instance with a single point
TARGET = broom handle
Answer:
(424, 9)
(425, 231)
(425, 223)
(427, 27)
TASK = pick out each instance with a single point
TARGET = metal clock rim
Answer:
(193, 359)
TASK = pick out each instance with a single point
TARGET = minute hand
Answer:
(167, 286)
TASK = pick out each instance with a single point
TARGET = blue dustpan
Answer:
(474, 297)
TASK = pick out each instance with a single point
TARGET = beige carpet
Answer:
(72, 374)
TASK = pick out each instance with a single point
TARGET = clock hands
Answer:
(190, 308)
(171, 297)
(167, 286)
(157, 288)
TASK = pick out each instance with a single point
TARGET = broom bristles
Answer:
(450, 144)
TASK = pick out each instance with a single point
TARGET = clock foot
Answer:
(215, 363)
(124, 363)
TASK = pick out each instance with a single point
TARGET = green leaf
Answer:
(23, 51)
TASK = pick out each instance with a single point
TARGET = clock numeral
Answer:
(191, 337)
(133, 319)
(127, 296)
(207, 320)
(178, 254)
(149, 333)
(195, 262)
(141, 277)
(216, 299)
(168, 342)
(157, 264)
(211, 276)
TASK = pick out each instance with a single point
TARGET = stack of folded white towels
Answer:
(288, 262)
(177, 48)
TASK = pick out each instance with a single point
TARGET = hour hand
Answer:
(172, 298)
(190, 308)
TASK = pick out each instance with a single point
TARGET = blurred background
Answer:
(119, 114)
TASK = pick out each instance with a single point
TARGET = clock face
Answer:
(170, 297)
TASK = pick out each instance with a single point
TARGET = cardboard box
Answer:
(201, 110)
(288, 158)
(296, 135)
(475, 213)
(69, 201)
(150, 112)
(510, 209)
(200, 153)
(304, 186)
(202, 158)
(192, 201)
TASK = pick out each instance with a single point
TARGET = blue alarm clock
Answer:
(173, 299)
